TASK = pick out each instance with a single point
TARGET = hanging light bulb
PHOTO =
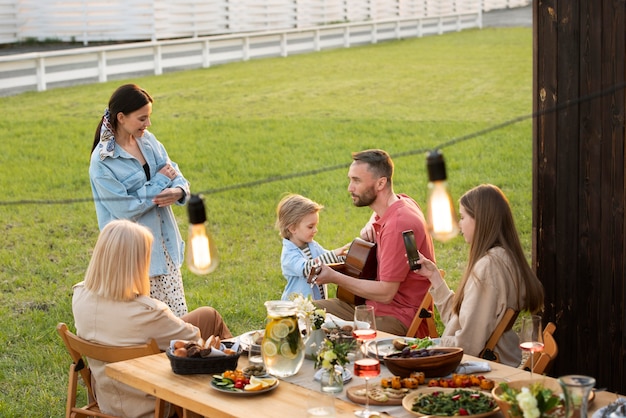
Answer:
(201, 252)
(442, 221)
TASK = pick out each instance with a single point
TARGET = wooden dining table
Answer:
(194, 394)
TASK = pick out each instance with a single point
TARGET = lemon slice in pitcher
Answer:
(285, 351)
(291, 324)
(270, 349)
(280, 330)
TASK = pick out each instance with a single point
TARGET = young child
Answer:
(296, 219)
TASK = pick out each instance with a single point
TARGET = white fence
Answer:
(86, 21)
(43, 70)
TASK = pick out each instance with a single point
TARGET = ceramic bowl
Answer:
(441, 364)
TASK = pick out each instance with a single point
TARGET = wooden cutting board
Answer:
(360, 399)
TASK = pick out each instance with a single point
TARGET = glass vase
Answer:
(332, 380)
(576, 389)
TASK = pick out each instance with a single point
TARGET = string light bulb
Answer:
(201, 251)
(442, 220)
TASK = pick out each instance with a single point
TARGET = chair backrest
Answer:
(78, 349)
(545, 359)
(424, 313)
(505, 324)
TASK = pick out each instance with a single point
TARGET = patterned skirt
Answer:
(168, 288)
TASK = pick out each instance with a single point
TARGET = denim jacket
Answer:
(121, 191)
(292, 262)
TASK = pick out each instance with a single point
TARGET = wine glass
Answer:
(531, 338)
(366, 361)
(364, 323)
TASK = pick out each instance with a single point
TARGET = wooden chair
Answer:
(424, 313)
(78, 349)
(544, 361)
(505, 324)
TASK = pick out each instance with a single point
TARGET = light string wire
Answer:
(313, 172)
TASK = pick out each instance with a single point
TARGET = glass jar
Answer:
(282, 346)
(576, 389)
(331, 381)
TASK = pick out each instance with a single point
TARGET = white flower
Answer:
(306, 311)
(303, 305)
(528, 403)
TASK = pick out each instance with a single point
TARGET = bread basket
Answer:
(203, 365)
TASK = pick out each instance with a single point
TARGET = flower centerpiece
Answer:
(313, 320)
(331, 357)
(528, 399)
(306, 310)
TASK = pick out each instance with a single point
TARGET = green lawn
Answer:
(244, 134)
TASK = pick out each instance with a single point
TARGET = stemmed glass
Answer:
(531, 338)
(366, 361)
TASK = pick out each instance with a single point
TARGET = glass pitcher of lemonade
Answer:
(282, 346)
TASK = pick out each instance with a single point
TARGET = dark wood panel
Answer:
(579, 182)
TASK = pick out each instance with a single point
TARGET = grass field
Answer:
(244, 134)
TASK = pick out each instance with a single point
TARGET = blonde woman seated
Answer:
(497, 277)
(112, 306)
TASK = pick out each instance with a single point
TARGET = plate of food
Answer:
(387, 391)
(235, 383)
(251, 338)
(346, 375)
(447, 402)
(616, 409)
(389, 346)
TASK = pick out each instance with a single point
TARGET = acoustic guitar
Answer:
(360, 263)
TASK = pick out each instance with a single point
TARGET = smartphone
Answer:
(411, 250)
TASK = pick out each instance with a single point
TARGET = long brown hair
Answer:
(126, 99)
(494, 227)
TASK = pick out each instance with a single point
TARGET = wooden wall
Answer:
(578, 182)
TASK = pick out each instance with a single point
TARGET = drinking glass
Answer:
(255, 356)
(366, 361)
(364, 323)
(531, 338)
(576, 389)
(320, 405)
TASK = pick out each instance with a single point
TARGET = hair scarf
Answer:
(107, 137)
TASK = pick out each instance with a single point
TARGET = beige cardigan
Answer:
(491, 289)
(110, 322)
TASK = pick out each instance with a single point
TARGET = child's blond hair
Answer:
(291, 210)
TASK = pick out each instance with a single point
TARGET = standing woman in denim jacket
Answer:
(133, 178)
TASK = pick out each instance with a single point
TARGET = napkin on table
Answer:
(333, 321)
(470, 367)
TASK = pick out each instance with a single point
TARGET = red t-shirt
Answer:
(393, 266)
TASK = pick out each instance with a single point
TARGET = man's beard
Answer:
(367, 198)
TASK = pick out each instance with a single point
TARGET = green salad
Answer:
(456, 403)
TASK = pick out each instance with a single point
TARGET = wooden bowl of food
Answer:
(517, 385)
(433, 362)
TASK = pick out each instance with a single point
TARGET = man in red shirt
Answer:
(397, 291)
